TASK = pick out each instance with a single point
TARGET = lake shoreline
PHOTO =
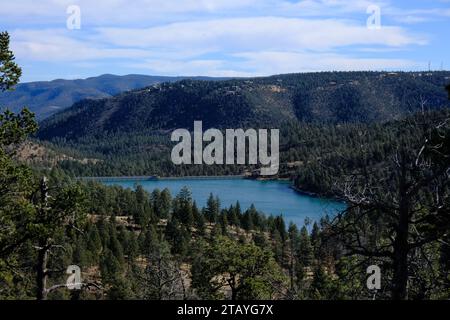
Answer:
(223, 177)
(316, 195)
(273, 198)
(158, 178)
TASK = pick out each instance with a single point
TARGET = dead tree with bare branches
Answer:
(394, 215)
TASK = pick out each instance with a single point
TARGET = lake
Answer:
(269, 197)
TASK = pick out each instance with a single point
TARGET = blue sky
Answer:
(224, 37)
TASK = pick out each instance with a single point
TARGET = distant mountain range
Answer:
(45, 98)
(332, 97)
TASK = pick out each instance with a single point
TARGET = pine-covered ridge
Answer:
(46, 98)
(331, 97)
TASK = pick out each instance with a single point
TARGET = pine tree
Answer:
(17, 181)
(305, 249)
(94, 243)
(315, 239)
(177, 236)
(183, 208)
(248, 271)
(293, 243)
(164, 204)
(10, 72)
(223, 222)
(321, 286)
(247, 221)
(114, 244)
(199, 219)
(147, 238)
(234, 214)
(112, 273)
(212, 209)
(142, 212)
(79, 255)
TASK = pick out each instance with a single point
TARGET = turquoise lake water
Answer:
(269, 197)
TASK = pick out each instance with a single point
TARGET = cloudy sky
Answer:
(224, 37)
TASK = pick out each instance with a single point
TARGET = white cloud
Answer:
(152, 12)
(412, 16)
(259, 33)
(212, 68)
(270, 62)
(328, 7)
(221, 47)
(57, 45)
(216, 37)
(113, 12)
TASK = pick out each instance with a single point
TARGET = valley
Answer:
(184, 153)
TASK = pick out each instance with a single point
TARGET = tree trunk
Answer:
(401, 246)
(233, 294)
(41, 266)
(234, 290)
(400, 265)
(41, 273)
(291, 267)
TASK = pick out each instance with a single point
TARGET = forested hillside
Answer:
(45, 98)
(311, 154)
(317, 97)
(321, 116)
